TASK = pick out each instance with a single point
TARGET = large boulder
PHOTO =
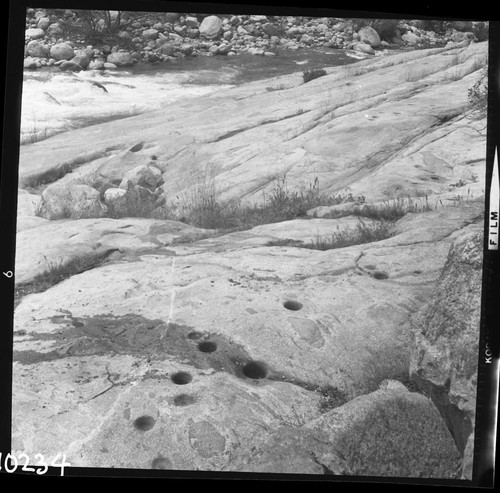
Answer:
(34, 33)
(135, 201)
(82, 58)
(389, 432)
(444, 359)
(55, 29)
(37, 49)
(211, 26)
(62, 51)
(121, 59)
(30, 63)
(146, 176)
(411, 38)
(43, 23)
(150, 33)
(71, 201)
(70, 66)
(369, 36)
(113, 169)
(270, 29)
(192, 22)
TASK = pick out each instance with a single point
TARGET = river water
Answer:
(54, 101)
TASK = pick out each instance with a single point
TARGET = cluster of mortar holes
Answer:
(380, 275)
(144, 423)
(255, 370)
(181, 378)
(207, 346)
(293, 305)
(184, 400)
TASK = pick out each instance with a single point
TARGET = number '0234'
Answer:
(12, 462)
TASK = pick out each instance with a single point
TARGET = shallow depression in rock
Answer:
(293, 305)
(207, 346)
(181, 378)
(255, 370)
(144, 423)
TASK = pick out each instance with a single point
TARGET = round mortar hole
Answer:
(292, 305)
(144, 423)
(184, 400)
(207, 346)
(255, 370)
(380, 275)
(181, 378)
(161, 463)
(194, 335)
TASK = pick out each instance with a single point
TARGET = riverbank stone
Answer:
(62, 51)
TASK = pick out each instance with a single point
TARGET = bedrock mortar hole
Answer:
(207, 346)
(161, 463)
(255, 370)
(181, 378)
(380, 275)
(293, 305)
(144, 423)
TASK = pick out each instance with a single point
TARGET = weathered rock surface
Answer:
(444, 360)
(75, 201)
(184, 348)
(407, 109)
(379, 434)
(308, 319)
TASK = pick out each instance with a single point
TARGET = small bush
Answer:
(311, 74)
(393, 210)
(478, 97)
(363, 233)
(205, 210)
(387, 29)
(331, 397)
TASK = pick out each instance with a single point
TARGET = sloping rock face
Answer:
(182, 353)
(407, 109)
(191, 349)
(444, 361)
(378, 434)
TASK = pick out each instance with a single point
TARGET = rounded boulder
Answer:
(62, 51)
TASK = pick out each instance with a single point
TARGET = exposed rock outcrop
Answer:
(445, 358)
(378, 434)
(183, 348)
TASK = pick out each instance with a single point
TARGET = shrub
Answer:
(363, 233)
(387, 29)
(205, 210)
(331, 397)
(480, 30)
(103, 26)
(392, 210)
(314, 73)
(477, 96)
